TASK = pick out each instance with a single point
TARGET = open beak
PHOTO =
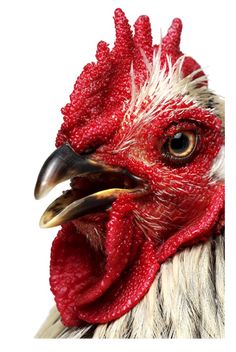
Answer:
(64, 164)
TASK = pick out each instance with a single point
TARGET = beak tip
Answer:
(40, 191)
(36, 196)
(46, 224)
(42, 224)
(37, 190)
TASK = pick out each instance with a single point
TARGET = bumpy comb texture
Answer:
(103, 90)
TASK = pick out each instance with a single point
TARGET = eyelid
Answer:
(183, 125)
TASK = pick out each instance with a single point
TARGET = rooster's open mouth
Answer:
(89, 180)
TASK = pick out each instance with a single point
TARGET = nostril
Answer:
(88, 151)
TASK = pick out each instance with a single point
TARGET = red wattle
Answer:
(79, 275)
(127, 291)
(91, 287)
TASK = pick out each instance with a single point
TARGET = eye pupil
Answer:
(179, 143)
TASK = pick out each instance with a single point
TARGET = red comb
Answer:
(103, 89)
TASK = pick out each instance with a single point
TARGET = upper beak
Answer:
(64, 164)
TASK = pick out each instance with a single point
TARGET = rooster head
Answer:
(142, 144)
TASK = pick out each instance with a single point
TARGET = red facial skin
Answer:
(181, 207)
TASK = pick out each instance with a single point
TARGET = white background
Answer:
(44, 46)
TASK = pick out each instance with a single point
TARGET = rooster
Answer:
(140, 253)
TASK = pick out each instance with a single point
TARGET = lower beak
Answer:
(64, 164)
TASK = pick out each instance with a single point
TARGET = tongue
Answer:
(97, 288)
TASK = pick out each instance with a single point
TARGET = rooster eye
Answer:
(181, 146)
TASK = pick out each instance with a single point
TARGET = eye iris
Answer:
(182, 144)
(179, 143)
(181, 147)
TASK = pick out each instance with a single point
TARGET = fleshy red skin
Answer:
(100, 286)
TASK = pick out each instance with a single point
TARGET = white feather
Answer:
(217, 171)
(163, 86)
